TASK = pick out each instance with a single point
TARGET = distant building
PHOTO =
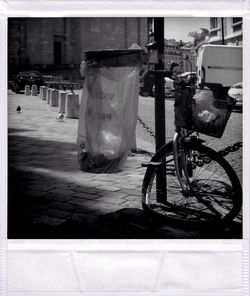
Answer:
(229, 29)
(56, 45)
(176, 53)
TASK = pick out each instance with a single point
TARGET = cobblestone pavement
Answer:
(49, 197)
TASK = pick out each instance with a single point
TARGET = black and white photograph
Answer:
(125, 127)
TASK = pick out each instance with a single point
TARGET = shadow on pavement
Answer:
(27, 204)
(136, 224)
(128, 223)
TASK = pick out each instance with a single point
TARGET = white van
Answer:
(219, 66)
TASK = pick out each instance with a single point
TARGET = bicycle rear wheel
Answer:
(214, 192)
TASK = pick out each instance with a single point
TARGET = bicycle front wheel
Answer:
(213, 192)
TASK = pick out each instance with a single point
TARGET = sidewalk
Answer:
(49, 197)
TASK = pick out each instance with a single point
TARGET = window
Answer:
(213, 33)
(237, 24)
(57, 52)
(58, 49)
(237, 20)
(237, 28)
(213, 22)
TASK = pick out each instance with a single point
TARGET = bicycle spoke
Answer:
(206, 194)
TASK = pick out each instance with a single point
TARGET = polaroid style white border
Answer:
(123, 267)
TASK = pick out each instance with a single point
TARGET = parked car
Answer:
(147, 87)
(28, 78)
(168, 88)
(236, 92)
(11, 85)
(146, 83)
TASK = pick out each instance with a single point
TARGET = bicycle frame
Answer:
(180, 161)
(194, 173)
(178, 152)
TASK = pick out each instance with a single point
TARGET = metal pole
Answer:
(181, 47)
(160, 132)
(181, 61)
(222, 31)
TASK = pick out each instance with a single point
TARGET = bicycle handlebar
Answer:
(171, 75)
(166, 73)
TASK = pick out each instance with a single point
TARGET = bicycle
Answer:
(201, 185)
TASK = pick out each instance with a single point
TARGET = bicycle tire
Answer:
(183, 208)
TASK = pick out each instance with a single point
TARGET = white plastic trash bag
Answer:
(108, 111)
(204, 111)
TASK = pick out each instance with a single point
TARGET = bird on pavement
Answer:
(18, 109)
(60, 116)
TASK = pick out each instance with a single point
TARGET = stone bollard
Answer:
(62, 101)
(34, 90)
(54, 98)
(43, 90)
(27, 90)
(48, 92)
(72, 106)
(40, 92)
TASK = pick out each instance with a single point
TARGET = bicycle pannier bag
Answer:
(202, 110)
(210, 114)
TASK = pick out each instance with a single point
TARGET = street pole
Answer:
(160, 129)
(181, 47)
(181, 61)
(222, 31)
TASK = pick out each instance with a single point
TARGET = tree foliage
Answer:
(199, 36)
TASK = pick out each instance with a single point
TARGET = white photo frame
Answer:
(123, 267)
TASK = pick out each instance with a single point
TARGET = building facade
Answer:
(56, 44)
(226, 30)
(178, 54)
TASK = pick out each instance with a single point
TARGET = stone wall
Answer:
(45, 42)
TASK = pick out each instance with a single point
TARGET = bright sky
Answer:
(179, 27)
